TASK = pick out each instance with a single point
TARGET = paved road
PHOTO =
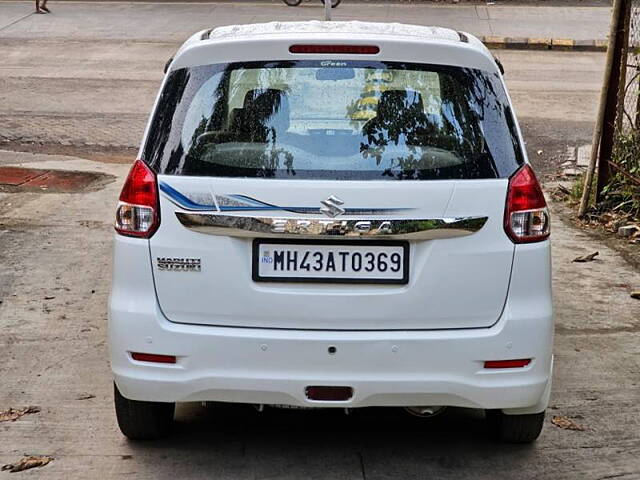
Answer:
(54, 281)
(89, 72)
(57, 87)
(174, 22)
(70, 92)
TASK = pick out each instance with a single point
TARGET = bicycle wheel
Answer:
(334, 3)
(293, 3)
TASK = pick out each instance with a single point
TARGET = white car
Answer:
(332, 215)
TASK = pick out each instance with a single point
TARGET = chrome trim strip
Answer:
(242, 203)
(280, 227)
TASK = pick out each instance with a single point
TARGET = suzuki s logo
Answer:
(331, 206)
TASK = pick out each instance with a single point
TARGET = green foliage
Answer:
(577, 187)
(622, 194)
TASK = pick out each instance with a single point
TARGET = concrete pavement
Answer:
(72, 93)
(88, 74)
(94, 68)
(167, 22)
(54, 280)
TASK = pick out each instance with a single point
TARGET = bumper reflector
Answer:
(152, 357)
(507, 363)
(329, 394)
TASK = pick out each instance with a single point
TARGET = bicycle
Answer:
(295, 3)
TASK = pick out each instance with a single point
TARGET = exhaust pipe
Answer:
(425, 411)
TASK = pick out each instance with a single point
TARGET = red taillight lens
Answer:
(336, 49)
(520, 363)
(153, 357)
(526, 218)
(137, 214)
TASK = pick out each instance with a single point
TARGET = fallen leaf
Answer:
(636, 295)
(26, 463)
(13, 414)
(85, 396)
(587, 258)
(49, 298)
(566, 423)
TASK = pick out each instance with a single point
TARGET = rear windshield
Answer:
(334, 120)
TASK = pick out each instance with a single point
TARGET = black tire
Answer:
(515, 428)
(334, 3)
(293, 3)
(142, 420)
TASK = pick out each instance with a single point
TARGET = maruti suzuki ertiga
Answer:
(332, 215)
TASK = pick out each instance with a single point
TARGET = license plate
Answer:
(330, 261)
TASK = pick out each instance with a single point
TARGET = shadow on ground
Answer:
(240, 442)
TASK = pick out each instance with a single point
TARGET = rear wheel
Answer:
(293, 3)
(515, 428)
(334, 3)
(142, 420)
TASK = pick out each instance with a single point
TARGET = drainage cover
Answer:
(18, 179)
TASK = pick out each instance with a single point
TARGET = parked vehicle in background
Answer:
(332, 215)
(295, 3)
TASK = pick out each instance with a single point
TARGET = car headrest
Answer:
(235, 117)
(269, 106)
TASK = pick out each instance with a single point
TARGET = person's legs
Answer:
(44, 6)
(38, 7)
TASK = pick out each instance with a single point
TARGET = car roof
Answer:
(373, 29)
(403, 42)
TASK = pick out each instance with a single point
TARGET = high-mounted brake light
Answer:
(137, 214)
(336, 49)
(526, 218)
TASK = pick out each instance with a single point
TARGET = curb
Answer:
(560, 44)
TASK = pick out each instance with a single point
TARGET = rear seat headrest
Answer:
(268, 105)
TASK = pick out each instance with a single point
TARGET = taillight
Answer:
(138, 214)
(526, 218)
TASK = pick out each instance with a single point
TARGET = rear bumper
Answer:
(384, 368)
(274, 367)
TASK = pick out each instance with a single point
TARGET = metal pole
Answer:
(327, 10)
(597, 131)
